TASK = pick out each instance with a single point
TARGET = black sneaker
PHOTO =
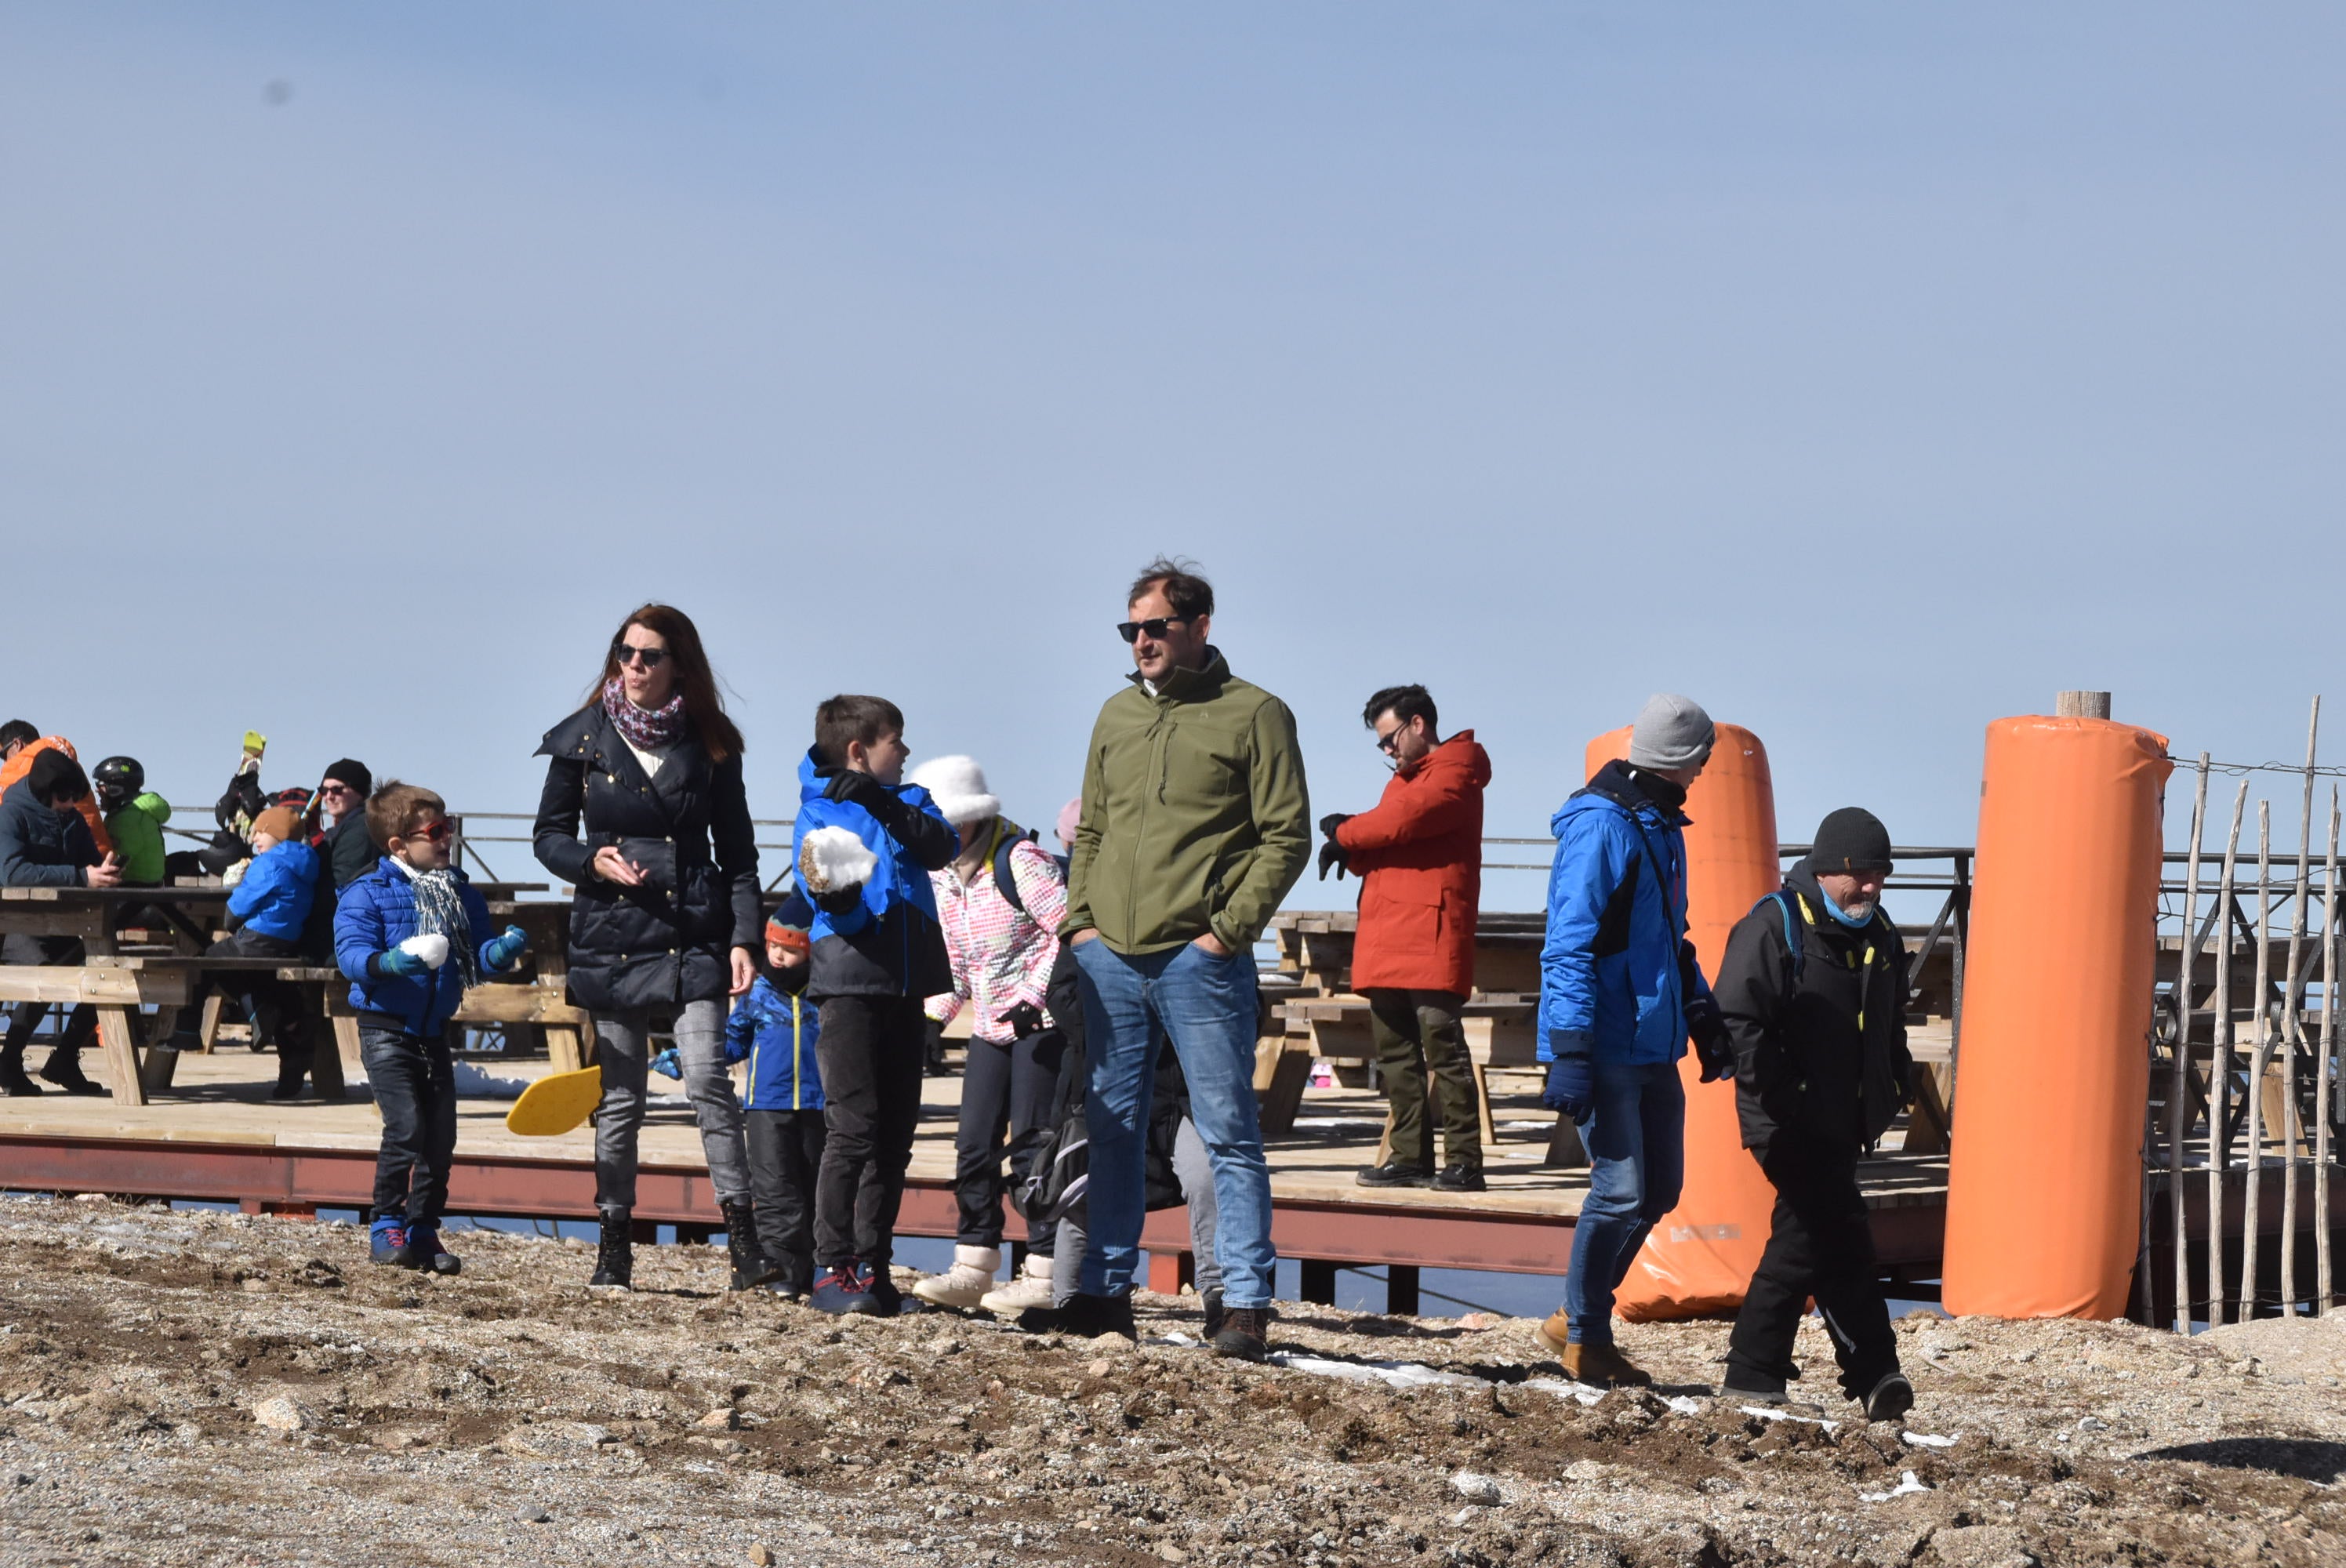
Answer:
(423, 1242)
(1392, 1172)
(1893, 1397)
(841, 1291)
(1461, 1178)
(1085, 1317)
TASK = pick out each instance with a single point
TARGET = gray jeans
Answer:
(622, 1048)
(1194, 1168)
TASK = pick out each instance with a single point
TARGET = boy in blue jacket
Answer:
(1619, 995)
(775, 1027)
(271, 903)
(412, 934)
(867, 843)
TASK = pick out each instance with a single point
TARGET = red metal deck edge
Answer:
(508, 1186)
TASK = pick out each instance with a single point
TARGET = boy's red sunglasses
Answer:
(437, 831)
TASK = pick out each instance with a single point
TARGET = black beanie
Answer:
(54, 774)
(1850, 839)
(352, 772)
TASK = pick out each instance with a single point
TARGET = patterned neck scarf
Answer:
(440, 909)
(645, 729)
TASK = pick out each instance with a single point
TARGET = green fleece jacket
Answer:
(1195, 819)
(136, 830)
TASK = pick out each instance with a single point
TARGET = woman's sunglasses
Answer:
(626, 653)
(1156, 626)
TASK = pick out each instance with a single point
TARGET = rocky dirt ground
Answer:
(189, 1387)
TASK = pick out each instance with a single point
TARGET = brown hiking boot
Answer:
(1244, 1334)
(1603, 1367)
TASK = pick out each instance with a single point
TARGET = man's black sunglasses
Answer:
(1155, 626)
(652, 658)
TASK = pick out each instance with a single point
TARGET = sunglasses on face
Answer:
(1391, 744)
(336, 790)
(1156, 626)
(650, 658)
(438, 832)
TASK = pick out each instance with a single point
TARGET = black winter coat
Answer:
(40, 846)
(1823, 1057)
(350, 852)
(667, 941)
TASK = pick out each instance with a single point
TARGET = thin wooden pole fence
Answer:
(2292, 1031)
(2258, 1042)
(2219, 1067)
(2321, 1067)
(2178, 1086)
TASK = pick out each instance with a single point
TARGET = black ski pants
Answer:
(785, 1154)
(871, 1053)
(1819, 1244)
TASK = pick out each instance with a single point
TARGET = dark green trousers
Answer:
(1421, 1052)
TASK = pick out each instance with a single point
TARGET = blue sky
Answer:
(1866, 372)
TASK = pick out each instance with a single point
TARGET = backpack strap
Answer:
(1794, 941)
(1006, 837)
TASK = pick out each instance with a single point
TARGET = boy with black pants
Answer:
(412, 934)
(866, 842)
(777, 1030)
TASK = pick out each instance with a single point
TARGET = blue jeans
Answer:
(1635, 1137)
(1206, 1005)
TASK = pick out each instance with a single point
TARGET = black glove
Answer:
(1707, 1027)
(1572, 1077)
(1022, 1020)
(839, 900)
(1333, 820)
(1331, 853)
(933, 1047)
(857, 789)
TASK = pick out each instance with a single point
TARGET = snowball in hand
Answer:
(833, 857)
(431, 947)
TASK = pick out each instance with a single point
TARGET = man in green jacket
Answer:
(1195, 822)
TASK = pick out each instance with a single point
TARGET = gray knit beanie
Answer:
(1672, 732)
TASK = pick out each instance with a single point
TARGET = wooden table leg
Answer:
(1483, 1105)
(161, 1062)
(121, 1055)
(325, 1058)
(208, 1029)
(563, 1048)
(346, 1046)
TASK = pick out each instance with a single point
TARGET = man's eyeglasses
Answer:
(650, 658)
(1156, 626)
(439, 831)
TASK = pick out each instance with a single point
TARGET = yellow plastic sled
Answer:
(556, 1103)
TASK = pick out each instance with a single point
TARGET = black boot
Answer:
(750, 1268)
(615, 1255)
(292, 1066)
(13, 1078)
(64, 1069)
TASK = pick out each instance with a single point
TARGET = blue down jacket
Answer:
(377, 913)
(1616, 974)
(775, 1030)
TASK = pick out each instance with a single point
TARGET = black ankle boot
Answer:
(292, 1066)
(13, 1079)
(750, 1268)
(615, 1255)
(63, 1070)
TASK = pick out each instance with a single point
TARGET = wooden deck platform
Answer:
(216, 1134)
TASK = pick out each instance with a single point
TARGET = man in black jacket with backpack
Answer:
(1813, 987)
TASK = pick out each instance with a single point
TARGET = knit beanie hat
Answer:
(789, 924)
(957, 784)
(54, 775)
(1850, 839)
(279, 822)
(352, 772)
(1672, 732)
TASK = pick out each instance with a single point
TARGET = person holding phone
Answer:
(644, 813)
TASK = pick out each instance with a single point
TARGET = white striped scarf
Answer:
(440, 909)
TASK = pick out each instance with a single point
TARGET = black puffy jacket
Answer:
(39, 845)
(667, 941)
(1820, 1055)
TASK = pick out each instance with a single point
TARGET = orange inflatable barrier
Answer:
(2045, 1193)
(1700, 1256)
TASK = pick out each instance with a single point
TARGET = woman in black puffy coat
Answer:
(645, 815)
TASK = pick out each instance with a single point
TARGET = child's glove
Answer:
(399, 960)
(503, 952)
(667, 1063)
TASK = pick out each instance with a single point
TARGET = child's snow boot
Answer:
(1032, 1287)
(965, 1284)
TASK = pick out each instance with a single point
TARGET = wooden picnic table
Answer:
(89, 915)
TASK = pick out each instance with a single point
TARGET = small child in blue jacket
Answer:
(412, 934)
(270, 904)
(774, 1027)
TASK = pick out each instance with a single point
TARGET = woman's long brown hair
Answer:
(694, 678)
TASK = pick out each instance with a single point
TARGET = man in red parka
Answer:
(1418, 856)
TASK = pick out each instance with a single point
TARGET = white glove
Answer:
(830, 859)
(429, 946)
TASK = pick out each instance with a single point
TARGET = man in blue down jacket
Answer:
(1619, 995)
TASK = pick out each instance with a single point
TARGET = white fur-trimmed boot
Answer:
(1032, 1287)
(969, 1278)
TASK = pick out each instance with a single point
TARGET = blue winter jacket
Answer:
(890, 944)
(377, 913)
(278, 889)
(774, 1030)
(1616, 974)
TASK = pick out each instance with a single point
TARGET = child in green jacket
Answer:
(135, 816)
